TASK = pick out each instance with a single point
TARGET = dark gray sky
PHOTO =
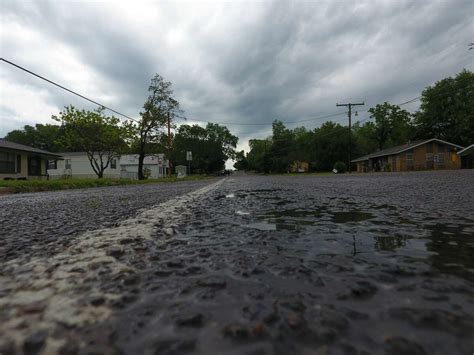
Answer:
(239, 62)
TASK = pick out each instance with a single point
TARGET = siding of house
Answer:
(80, 168)
(23, 171)
(449, 158)
(432, 155)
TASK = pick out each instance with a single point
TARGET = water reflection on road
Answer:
(328, 265)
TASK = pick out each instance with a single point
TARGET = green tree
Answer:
(330, 144)
(99, 136)
(365, 138)
(447, 110)
(211, 146)
(281, 148)
(41, 136)
(241, 162)
(258, 157)
(147, 133)
(392, 125)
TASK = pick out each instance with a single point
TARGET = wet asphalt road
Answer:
(358, 264)
(34, 224)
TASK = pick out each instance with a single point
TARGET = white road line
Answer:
(46, 293)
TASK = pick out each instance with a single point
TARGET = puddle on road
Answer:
(296, 219)
(352, 216)
(448, 247)
(390, 243)
(262, 226)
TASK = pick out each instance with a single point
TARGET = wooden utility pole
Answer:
(169, 145)
(350, 127)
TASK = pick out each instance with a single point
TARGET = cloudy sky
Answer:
(244, 63)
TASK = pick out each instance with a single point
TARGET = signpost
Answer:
(189, 157)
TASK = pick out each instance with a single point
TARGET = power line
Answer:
(192, 119)
(264, 123)
(65, 88)
(311, 119)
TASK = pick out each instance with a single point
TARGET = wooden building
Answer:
(431, 154)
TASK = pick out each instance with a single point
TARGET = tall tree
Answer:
(99, 136)
(447, 110)
(148, 131)
(259, 155)
(282, 144)
(392, 125)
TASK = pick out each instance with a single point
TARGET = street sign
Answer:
(189, 156)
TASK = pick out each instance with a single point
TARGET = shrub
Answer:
(340, 167)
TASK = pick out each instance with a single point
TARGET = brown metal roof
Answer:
(401, 148)
(24, 148)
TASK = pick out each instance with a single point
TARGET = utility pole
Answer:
(169, 145)
(350, 127)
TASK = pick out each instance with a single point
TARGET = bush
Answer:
(340, 167)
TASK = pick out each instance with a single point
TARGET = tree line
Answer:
(103, 137)
(446, 112)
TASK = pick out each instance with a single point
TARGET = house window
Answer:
(409, 159)
(18, 163)
(7, 163)
(34, 166)
(52, 164)
(113, 164)
(429, 156)
(68, 163)
(441, 158)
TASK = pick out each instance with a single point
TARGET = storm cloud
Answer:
(241, 63)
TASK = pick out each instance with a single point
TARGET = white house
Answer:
(77, 165)
(156, 165)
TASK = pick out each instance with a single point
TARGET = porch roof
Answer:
(4, 144)
(467, 151)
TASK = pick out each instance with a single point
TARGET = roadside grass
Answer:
(18, 186)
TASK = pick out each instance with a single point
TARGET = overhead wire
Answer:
(65, 88)
(318, 118)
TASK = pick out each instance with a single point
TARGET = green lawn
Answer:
(16, 186)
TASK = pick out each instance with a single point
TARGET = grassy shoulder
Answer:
(18, 186)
